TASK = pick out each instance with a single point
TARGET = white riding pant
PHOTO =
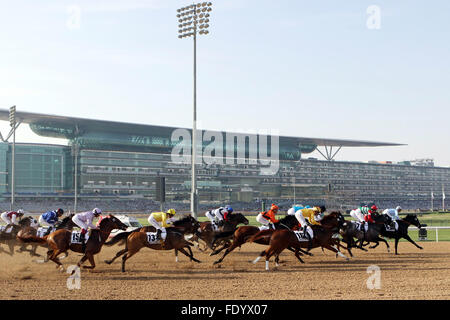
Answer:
(291, 212)
(80, 223)
(156, 224)
(211, 216)
(44, 223)
(356, 214)
(301, 218)
(262, 220)
(5, 218)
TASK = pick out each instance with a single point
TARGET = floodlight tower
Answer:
(193, 20)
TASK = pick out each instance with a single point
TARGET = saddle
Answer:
(393, 226)
(43, 231)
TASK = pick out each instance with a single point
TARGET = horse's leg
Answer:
(262, 254)
(118, 254)
(176, 255)
(190, 256)
(396, 245)
(412, 241)
(83, 259)
(233, 246)
(336, 250)
(375, 245)
(54, 258)
(90, 256)
(217, 251)
(297, 251)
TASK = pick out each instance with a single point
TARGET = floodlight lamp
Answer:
(209, 4)
(209, 9)
(199, 5)
(178, 10)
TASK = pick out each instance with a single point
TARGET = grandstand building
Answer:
(122, 160)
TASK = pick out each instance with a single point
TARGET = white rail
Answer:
(431, 227)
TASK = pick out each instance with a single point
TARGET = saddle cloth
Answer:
(151, 237)
(3, 229)
(41, 231)
(358, 225)
(389, 228)
(303, 237)
(75, 237)
(264, 228)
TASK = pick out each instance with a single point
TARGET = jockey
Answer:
(295, 208)
(268, 218)
(161, 220)
(50, 218)
(10, 217)
(368, 215)
(393, 215)
(360, 213)
(84, 221)
(218, 215)
(314, 216)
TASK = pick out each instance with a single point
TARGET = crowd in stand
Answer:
(148, 205)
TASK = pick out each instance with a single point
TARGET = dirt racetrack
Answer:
(414, 274)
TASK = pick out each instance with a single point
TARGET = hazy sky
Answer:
(304, 68)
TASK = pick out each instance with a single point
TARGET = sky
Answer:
(354, 69)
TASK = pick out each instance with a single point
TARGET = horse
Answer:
(9, 238)
(402, 232)
(65, 223)
(244, 233)
(323, 237)
(60, 242)
(207, 232)
(350, 230)
(186, 225)
(136, 240)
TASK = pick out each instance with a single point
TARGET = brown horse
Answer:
(208, 234)
(65, 223)
(137, 240)
(187, 225)
(9, 238)
(60, 241)
(244, 233)
(323, 237)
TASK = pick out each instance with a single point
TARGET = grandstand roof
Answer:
(90, 125)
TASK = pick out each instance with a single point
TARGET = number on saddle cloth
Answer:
(358, 226)
(75, 237)
(152, 239)
(302, 236)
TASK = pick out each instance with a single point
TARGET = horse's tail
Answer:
(27, 239)
(121, 236)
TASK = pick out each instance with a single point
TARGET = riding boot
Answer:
(309, 240)
(83, 242)
(158, 234)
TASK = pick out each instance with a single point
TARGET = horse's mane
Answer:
(24, 220)
(182, 220)
(287, 218)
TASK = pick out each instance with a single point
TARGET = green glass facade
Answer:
(39, 169)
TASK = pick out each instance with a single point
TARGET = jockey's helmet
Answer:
(398, 208)
(229, 208)
(373, 208)
(60, 212)
(274, 207)
(96, 211)
(171, 211)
